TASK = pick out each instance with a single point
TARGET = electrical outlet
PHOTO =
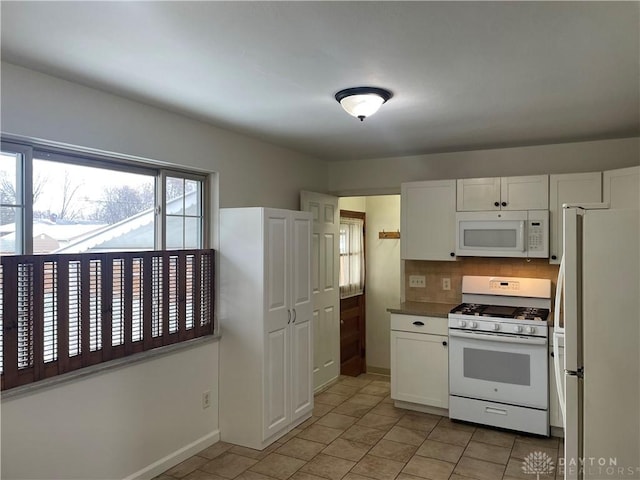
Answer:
(446, 284)
(206, 399)
(417, 281)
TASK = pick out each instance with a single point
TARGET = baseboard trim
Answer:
(421, 408)
(325, 385)
(174, 458)
(379, 370)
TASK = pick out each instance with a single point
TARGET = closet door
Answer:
(278, 316)
(301, 324)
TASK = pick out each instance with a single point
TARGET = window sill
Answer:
(105, 367)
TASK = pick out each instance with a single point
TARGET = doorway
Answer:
(352, 293)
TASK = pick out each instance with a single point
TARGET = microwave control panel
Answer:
(535, 234)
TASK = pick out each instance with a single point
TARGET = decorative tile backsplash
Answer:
(434, 272)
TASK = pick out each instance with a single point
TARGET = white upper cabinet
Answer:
(503, 193)
(621, 187)
(428, 217)
(569, 188)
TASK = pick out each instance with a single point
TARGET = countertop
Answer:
(425, 309)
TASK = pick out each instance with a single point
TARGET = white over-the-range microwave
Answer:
(503, 234)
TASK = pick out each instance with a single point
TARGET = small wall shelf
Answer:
(385, 235)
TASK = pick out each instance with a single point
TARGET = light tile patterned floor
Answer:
(357, 434)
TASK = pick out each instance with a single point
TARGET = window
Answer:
(100, 258)
(351, 256)
(64, 202)
(14, 233)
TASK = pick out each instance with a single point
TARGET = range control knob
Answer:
(462, 323)
(531, 329)
(517, 329)
(473, 324)
(496, 326)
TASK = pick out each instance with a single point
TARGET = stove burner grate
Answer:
(501, 311)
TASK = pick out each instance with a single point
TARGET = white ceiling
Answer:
(465, 75)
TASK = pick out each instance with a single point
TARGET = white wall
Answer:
(251, 173)
(355, 204)
(114, 424)
(384, 175)
(382, 275)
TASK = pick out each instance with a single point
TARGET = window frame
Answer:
(95, 159)
(161, 209)
(24, 187)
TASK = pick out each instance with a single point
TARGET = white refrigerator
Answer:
(601, 371)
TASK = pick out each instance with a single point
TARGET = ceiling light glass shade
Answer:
(362, 102)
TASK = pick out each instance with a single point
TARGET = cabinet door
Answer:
(621, 187)
(555, 414)
(276, 322)
(277, 270)
(419, 368)
(301, 321)
(276, 415)
(569, 188)
(428, 220)
(301, 368)
(478, 194)
(524, 193)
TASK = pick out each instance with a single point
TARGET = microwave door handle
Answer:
(522, 236)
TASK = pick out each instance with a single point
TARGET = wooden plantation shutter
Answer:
(59, 313)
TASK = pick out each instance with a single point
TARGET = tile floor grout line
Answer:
(395, 418)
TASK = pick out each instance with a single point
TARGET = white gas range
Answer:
(498, 341)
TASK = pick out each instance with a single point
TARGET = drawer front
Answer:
(419, 324)
(499, 415)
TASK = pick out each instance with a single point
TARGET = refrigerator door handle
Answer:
(558, 333)
(559, 371)
(556, 308)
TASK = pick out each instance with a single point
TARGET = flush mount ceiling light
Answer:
(362, 102)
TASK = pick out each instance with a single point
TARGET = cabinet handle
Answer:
(553, 257)
(289, 315)
(444, 342)
(552, 354)
(497, 411)
(504, 204)
(452, 254)
(496, 204)
(418, 324)
(294, 315)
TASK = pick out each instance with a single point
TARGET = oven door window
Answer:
(486, 368)
(496, 366)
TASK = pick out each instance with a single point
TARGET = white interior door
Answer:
(325, 252)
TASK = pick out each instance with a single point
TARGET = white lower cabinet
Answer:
(420, 360)
(266, 345)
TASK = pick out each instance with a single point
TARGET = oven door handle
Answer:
(496, 337)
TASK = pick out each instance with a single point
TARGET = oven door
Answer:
(502, 368)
